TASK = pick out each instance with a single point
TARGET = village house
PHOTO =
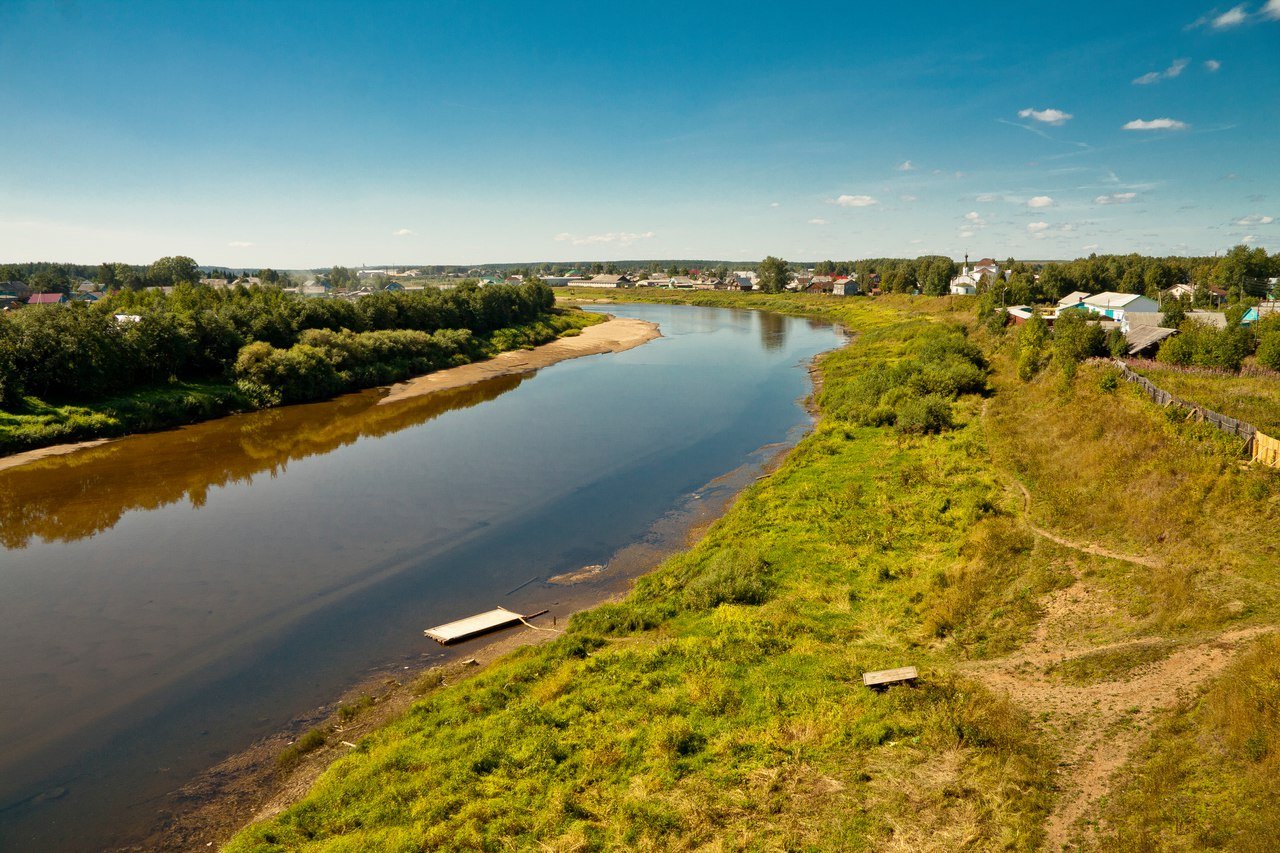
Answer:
(606, 281)
(845, 286)
(46, 299)
(1114, 305)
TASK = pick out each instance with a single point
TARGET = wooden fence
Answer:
(1259, 447)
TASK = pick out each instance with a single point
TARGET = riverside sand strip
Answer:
(615, 335)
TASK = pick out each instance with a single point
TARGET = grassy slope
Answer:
(671, 722)
(40, 424)
(1254, 399)
(1109, 465)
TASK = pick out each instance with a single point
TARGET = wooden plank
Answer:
(473, 626)
(884, 677)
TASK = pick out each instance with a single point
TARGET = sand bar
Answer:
(45, 452)
(613, 335)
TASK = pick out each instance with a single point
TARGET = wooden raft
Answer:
(885, 677)
(474, 626)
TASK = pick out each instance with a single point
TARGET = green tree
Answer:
(1075, 339)
(774, 275)
(342, 278)
(178, 269)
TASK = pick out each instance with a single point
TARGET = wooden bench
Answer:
(883, 678)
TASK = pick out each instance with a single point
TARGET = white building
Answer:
(1114, 305)
(971, 278)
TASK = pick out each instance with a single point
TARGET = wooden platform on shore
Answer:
(473, 626)
(885, 677)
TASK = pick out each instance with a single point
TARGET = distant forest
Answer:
(1243, 272)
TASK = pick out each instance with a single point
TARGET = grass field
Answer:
(1085, 646)
(1251, 398)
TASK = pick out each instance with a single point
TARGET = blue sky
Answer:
(308, 134)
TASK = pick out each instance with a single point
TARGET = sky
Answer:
(301, 135)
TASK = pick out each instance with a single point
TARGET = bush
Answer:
(923, 415)
(731, 577)
(1268, 352)
(1200, 345)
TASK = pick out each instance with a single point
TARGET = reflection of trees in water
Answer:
(773, 330)
(73, 497)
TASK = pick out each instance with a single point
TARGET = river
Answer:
(168, 598)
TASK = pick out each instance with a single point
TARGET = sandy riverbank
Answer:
(614, 335)
(26, 456)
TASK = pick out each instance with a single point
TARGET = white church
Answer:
(967, 283)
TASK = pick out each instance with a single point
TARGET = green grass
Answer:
(1254, 399)
(721, 702)
(1111, 664)
(308, 742)
(39, 424)
(1111, 467)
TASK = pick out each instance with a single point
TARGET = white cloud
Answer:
(1251, 238)
(818, 222)
(774, 204)
(853, 201)
(402, 232)
(985, 197)
(1271, 11)
(1115, 198)
(966, 233)
(905, 166)
(622, 238)
(1037, 227)
(1156, 124)
(1230, 18)
(1089, 247)
(239, 244)
(909, 198)
(1050, 116)
(1040, 201)
(1254, 219)
(916, 241)
(1156, 76)
(975, 220)
(1213, 64)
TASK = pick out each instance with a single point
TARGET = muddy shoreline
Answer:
(249, 786)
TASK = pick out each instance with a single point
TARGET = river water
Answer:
(169, 598)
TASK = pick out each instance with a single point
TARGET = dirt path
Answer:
(1088, 548)
(1098, 725)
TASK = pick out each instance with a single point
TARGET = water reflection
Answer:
(773, 330)
(67, 498)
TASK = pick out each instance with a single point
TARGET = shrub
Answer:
(732, 576)
(310, 741)
(1268, 352)
(923, 415)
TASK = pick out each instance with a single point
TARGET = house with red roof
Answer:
(47, 299)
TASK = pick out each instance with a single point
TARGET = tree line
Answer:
(82, 351)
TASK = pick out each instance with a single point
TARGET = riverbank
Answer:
(614, 335)
(41, 430)
(721, 699)
(256, 784)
